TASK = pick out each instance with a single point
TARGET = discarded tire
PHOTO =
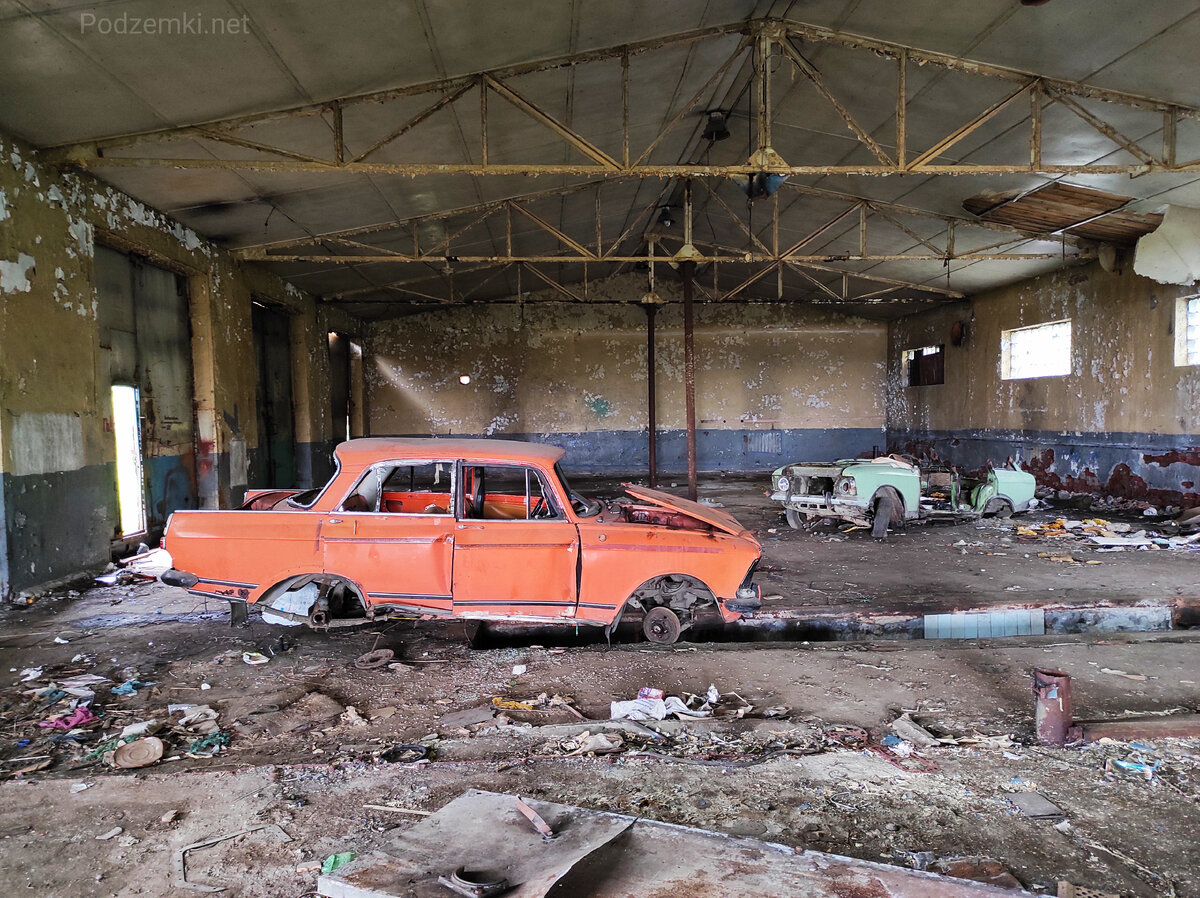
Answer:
(372, 660)
(885, 508)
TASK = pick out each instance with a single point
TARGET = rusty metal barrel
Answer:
(1054, 705)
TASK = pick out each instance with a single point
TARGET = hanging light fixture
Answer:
(664, 217)
(716, 128)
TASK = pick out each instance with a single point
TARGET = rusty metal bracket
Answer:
(536, 819)
(181, 880)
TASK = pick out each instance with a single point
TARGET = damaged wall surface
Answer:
(773, 383)
(57, 363)
(1122, 423)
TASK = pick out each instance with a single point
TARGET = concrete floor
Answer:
(296, 761)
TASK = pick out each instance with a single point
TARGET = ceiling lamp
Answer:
(664, 217)
(716, 127)
(762, 184)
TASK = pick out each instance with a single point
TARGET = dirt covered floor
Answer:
(326, 757)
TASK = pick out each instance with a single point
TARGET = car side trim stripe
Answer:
(228, 583)
(422, 540)
(706, 550)
(543, 602)
(408, 595)
(462, 545)
(214, 595)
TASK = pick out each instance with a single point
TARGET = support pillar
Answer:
(651, 414)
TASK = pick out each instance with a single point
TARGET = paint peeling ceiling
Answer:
(846, 237)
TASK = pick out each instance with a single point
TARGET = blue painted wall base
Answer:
(1159, 468)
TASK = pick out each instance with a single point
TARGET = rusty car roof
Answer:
(366, 450)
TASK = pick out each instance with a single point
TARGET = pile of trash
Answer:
(1108, 536)
(61, 718)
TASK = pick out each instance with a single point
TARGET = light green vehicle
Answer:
(890, 489)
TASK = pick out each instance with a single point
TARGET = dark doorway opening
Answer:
(273, 463)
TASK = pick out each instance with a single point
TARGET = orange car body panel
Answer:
(422, 554)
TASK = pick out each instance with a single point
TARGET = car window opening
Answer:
(505, 493)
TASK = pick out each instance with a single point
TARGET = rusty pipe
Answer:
(651, 411)
(688, 270)
(1054, 707)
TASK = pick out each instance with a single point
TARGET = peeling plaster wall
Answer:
(773, 383)
(1124, 422)
(57, 474)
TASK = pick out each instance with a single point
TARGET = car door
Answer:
(516, 550)
(392, 534)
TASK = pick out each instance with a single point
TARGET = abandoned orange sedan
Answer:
(467, 529)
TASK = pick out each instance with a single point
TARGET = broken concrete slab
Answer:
(603, 854)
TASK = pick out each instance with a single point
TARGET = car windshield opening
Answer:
(582, 508)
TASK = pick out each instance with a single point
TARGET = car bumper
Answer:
(183, 579)
(748, 600)
(822, 505)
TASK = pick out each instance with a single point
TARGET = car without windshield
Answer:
(466, 529)
(891, 489)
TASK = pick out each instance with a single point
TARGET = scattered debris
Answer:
(1035, 805)
(474, 883)
(111, 834)
(254, 659)
(334, 861)
(79, 717)
(904, 727)
(978, 869)
(587, 743)
(181, 880)
(536, 819)
(139, 753)
(656, 709)
(1069, 890)
(375, 659)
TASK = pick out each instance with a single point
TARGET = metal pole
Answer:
(651, 414)
(689, 374)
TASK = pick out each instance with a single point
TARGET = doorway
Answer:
(145, 365)
(275, 458)
(131, 482)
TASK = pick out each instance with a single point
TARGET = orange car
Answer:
(459, 528)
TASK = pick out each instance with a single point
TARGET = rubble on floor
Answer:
(1103, 536)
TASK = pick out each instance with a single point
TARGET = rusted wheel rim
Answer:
(662, 626)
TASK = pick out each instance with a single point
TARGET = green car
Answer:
(890, 489)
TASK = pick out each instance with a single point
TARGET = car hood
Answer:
(819, 468)
(722, 520)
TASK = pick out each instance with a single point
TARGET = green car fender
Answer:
(870, 478)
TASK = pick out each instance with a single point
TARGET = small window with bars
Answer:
(1187, 331)
(1042, 350)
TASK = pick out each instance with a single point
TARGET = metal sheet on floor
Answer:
(601, 854)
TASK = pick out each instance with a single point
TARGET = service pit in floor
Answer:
(299, 758)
